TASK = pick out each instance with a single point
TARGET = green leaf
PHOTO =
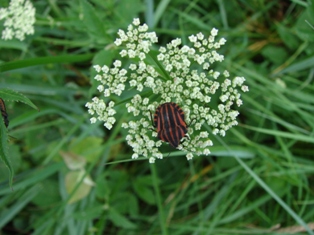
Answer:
(120, 220)
(71, 180)
(302, 29)
(105, 56)
(143, 188)
(49, 196)
(127, 9)
(89, 147)
(93, 211)
(287, 36)
(92, 23)
(4, 151)
(73, 161)
(276, 54)
(7, 94)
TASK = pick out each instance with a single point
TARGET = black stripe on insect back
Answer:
(174, 131)
(180, 125)
(4, 113)
(169, 120)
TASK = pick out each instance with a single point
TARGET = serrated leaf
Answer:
(7, 94)
(3, 150)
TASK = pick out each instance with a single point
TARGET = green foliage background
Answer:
(72, 177)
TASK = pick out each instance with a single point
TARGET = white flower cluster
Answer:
(179, 73)
(104, 112)
(19, 19)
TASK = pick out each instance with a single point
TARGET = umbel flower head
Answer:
(177, 73)
(19, 19)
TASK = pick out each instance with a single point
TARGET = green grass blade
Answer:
(44, 60)
(299, 137)
(20, 204)
(32, 177)
(297, 218)
(4, 150)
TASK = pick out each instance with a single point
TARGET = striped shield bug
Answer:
(4, 113)
(170, 123)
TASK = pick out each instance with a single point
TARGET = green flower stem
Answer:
(158, 199)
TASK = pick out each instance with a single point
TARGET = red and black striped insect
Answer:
(170, 123)
(4, 113)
